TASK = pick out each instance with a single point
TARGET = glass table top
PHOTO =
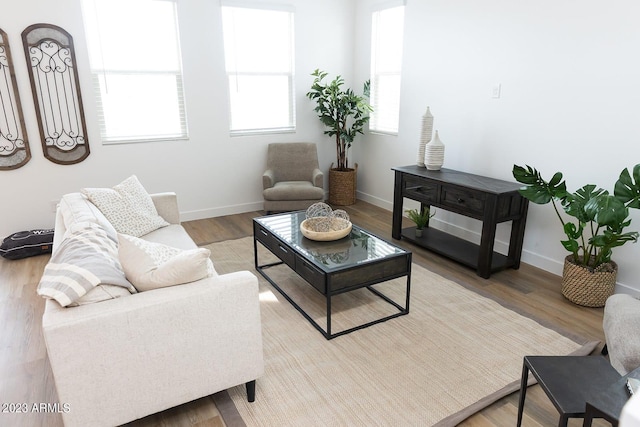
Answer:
(358, 247)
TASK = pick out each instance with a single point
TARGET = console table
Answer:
(489, 200)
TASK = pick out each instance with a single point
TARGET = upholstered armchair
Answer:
(293, 180)
(621, 324)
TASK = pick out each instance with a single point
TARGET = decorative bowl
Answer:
(325, 229)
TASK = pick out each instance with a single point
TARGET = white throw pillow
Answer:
(127, 206)
(149, 265)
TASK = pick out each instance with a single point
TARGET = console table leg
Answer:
(396, 227)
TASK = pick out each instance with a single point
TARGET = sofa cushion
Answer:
(101, 293)
(174, 235)
(76, 207)
(127, 206)
(150, 265)
(86, 258)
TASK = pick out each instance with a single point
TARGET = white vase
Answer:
(425, 136)
(434, 154)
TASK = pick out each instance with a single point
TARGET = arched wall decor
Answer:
(14, 145)
(56, 93)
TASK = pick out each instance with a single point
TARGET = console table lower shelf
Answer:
(457, 249)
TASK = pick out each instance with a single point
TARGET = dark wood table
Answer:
(608, 403)
(568, 381)
(360, 260)
(489, 200)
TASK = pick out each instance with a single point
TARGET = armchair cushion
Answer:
(293, 190)
(621, 324)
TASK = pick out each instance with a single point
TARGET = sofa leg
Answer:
(251, 391)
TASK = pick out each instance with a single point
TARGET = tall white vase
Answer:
(425, 136)
(434, 155)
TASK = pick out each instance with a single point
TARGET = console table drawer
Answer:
(311, 274)
(463, 201)
(420, 189)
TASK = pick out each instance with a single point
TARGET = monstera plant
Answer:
(595, 223)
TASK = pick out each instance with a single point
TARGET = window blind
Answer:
(387, 27)
(136, 68)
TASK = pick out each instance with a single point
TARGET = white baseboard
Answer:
(376, 201)
(220, 211)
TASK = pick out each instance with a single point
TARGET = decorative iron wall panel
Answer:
(14, 146)
(56, 93)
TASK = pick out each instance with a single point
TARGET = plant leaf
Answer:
(627, 189)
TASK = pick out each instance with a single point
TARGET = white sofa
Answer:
(122, 359)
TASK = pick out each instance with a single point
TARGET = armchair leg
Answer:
(251, 390)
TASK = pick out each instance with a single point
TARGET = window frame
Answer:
(103, 71)
(374, 126)
(232, 73)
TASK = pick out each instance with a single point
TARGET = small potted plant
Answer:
(345, 115)
(595, 226)
(420, 217)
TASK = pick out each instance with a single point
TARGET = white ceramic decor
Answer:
(425, 135)
(434, 155)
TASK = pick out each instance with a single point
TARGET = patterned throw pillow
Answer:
(127, 206)
(149, 265)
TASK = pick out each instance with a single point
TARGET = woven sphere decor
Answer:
(588, 287)
(324, 224)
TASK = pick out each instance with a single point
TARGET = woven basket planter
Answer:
(342, 186)
(588, 287)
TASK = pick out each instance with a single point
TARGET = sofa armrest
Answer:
(123, 359)
(317, 178)
(167, 206)
(268, 179)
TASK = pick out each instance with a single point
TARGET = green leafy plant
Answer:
(342, 111)
(420, 218)
(599, 218)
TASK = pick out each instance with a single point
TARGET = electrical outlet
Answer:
(54, 205)
(495, 90)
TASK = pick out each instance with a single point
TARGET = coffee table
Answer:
(357, 261)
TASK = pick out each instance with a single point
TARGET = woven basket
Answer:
(342, 186)
(587, 287)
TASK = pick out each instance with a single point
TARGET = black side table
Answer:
(568, 381)
(608, 403)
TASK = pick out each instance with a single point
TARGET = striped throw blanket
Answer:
(87, 257)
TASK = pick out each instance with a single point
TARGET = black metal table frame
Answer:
(327, 333)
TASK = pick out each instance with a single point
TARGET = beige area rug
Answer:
(455, 353)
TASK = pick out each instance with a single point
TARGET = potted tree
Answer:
(344, 114)
(596, 226)
(420, 217)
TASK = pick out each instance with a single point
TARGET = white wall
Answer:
(212, 173)
(570, 102)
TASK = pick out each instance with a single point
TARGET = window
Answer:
(258, 45)
(386, 64)
(134, 52)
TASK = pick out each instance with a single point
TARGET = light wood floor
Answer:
(25, 375)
